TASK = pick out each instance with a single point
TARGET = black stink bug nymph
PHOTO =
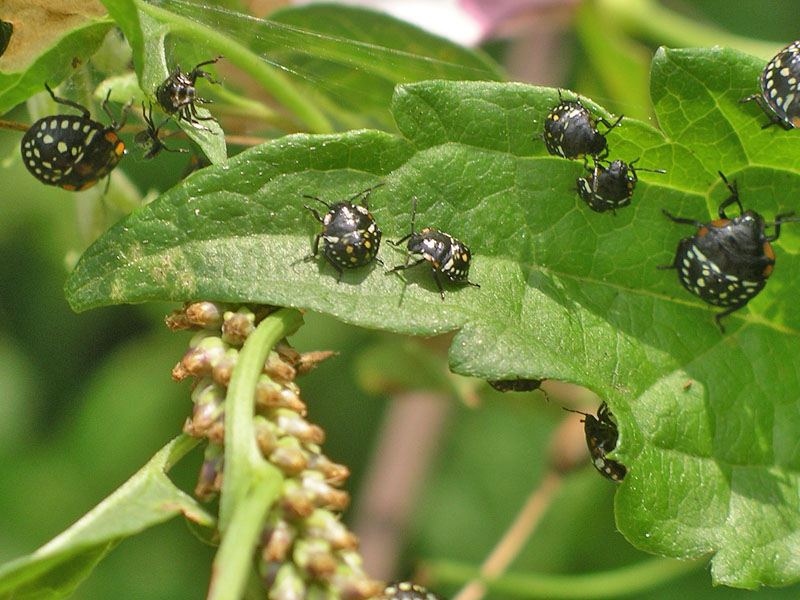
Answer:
(177, 94)
(601, 438)
(516, 385)
(446, 254)
(609, 187)
(72, 151)
(727, 261)
(570, 131)
(405, 590)
(350, 237)
(780, 88)
(149, 136)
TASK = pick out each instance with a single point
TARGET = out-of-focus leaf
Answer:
(354, 57)
(47, 49)
(146, 499)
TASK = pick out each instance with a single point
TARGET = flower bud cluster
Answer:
(306, 552)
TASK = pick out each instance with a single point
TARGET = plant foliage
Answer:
(708, 422)
(566, 293)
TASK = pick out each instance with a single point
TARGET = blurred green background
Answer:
(86, 399)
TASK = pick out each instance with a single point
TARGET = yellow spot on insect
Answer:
(349, 249)
(367, 244)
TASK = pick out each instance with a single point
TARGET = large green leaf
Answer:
(354, 57)
(708, 421)
(146, 499)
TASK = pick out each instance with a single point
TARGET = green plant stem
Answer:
(244, 465)
(625, 581)
(233, 560)
(251, 485)
(267, 76)
(649, 19)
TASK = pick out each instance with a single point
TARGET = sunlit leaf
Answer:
(707, 421)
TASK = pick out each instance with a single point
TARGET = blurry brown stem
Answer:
(515, 537)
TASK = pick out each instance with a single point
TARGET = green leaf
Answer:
(146, 499)
(346, 59)
(126, 18)
(707, 421)
(146, 33)
(42, 59)
(362, 54)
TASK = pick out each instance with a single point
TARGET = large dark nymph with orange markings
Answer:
(72, 151)
(780, 88)
(727, 261)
